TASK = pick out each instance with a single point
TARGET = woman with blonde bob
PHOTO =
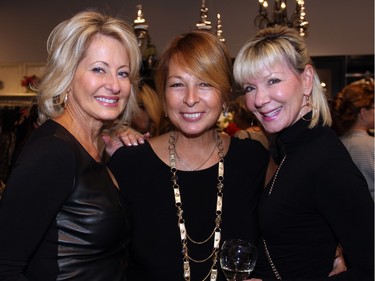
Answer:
(317, 198)
(61, 216)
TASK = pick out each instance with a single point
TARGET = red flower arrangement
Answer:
(30, 82)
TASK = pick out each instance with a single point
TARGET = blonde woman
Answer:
(317, 198)
(61, 216)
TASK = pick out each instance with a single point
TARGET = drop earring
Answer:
(313, 109)
(65, 102)
(225, 112)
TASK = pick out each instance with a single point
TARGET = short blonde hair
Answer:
(274, 45)
(203, 55)
(67, 45)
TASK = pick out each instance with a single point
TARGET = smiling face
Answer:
(100, 87)
(192, 104)
(276, 95)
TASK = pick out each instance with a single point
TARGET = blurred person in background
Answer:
(150, 117)
(353, 119)
(247, 122)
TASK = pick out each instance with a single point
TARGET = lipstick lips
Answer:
(270, 115)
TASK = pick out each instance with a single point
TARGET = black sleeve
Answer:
(346, 204)
(123, 161)
(39, 183)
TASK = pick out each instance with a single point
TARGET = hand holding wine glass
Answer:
(237, 259)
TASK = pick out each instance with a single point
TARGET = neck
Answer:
(195, 153)
(87, 134)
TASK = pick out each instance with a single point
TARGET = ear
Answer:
(165, 109)
(308, 79)
(363, 114)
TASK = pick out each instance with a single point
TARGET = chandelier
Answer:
(279, 16)
(205, 24)
(148, 50)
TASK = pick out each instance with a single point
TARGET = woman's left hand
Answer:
(339, 262)
(125, 136)
(131, 137)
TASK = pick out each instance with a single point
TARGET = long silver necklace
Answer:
(276, 174)
(273, 267)
(216, 233)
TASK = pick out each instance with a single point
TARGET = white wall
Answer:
(337, 27)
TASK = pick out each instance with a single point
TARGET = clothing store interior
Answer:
(340, 36)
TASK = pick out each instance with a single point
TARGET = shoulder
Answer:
(242, 134)
(45, 146)
(359, 142)
(328, 157)
(249, 149)
(45, 161)
(131, 151)
(322, 139)
(247, 145)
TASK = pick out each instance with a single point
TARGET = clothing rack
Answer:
(17, 100)
(17, 117)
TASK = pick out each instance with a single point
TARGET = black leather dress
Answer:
(81, 233)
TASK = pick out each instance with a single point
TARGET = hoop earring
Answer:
(65, 102)
(313, 110)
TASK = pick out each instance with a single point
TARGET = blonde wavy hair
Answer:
(66, 47)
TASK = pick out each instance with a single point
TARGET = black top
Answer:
(319, 199)
(61, 217)
(155, 252)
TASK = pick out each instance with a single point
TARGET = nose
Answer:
(191, 96)
(113, 84)
(261, 98)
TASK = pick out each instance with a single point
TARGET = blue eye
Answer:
(98, 70)
(273, 81)
(248, 89)
(175, 85)
(123, 74)
(204, 84)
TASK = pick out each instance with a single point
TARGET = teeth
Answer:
(272, 113)
(101, 99)
(192, 115)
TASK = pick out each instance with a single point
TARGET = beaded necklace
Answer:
(216, 233)
(268, 255)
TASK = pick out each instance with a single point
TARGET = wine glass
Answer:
(237, 259)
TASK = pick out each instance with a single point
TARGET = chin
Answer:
(271, 129)
(110, 117)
